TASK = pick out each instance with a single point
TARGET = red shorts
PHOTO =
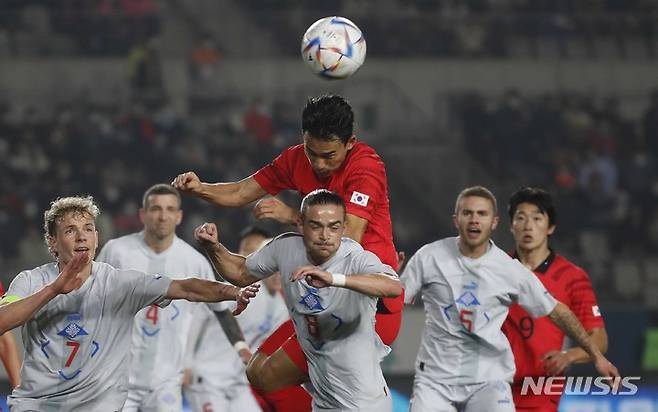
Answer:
(387, 327)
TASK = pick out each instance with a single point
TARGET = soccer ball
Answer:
(333, 47)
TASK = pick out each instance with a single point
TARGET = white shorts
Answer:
(235, 397)
(166, 398)
(381, 404)
(432, 396)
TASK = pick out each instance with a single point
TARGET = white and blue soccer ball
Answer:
(333, 48)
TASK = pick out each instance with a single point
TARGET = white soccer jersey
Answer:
(76, 346)
(160, 335)
(466, 301)
(265, 313)
(335, 326)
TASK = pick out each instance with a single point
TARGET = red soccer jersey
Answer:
(360, 181)
(531, 338)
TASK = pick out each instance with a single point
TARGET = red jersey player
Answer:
(537, 345)
(330, 158)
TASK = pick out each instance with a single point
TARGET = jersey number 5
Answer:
(465, 318)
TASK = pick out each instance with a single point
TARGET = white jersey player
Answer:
(267, 311)
(467, 284)
(160, 335)
(77, 316)
(331, 285)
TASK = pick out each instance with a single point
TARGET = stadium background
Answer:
(107, 97)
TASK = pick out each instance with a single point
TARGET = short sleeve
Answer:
(277, 175)
(364, 188)
(368, 262)
(263, 262)
(141, 289)
(20, 287)
(583, 301)
(532, 295)
(412, 277)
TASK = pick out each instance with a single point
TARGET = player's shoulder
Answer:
(182, 247)
(45, 272)
(440, 247)
(364, 156)
(564, 265)
(126, 242)
(286, 238)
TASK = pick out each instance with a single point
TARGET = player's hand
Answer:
(207, 235)
(187, 377)
(402, 257)
(245, 355)
(243, 297)
(273, 208)
(69, 278)
(606, 368)
(556, 362)
(314, 276)
(187, 182)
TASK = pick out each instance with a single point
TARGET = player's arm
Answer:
(203, 290)
(379, 285)
(565, 319)
(355, 227)
(234, 334)
(14, 312)
(231, 266)
(555, 362)
(230, 194)
(10, 358)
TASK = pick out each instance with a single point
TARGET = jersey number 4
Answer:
(152, 314)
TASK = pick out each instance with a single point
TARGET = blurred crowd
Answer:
(114, 154)
(76, 27)
(602, 166)
(395, 28)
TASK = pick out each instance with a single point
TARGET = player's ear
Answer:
(179, 217)
(454, 221)
(52, 245)
(496, 219)
(142, 211)
(350, 142)
(551, 230)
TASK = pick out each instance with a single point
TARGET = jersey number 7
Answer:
(75, 346)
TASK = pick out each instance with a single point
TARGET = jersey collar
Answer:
(543, 266)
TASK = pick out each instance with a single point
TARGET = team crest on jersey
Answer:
(311, 300)
(72, 330)
(359, 199)
(468, 299)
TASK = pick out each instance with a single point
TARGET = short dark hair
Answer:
(477, 191)
(535, 196)
(254, 231)
(321, 197)
(160, 189)
(328, 117)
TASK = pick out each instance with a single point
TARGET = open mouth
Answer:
(81, 249)
(473, 232)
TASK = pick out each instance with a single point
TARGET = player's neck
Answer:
(532, 258)
(156, 244)
(473, 252)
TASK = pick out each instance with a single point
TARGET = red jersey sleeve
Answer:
(365, 187)
(583, 301)
(278, 174)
